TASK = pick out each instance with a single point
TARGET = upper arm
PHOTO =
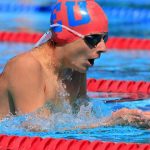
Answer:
(25, 84)
(4, 105)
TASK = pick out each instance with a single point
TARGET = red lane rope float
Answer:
(118, 86)
(19, 37)
(37, 143)
(128, 43)
(113, 42)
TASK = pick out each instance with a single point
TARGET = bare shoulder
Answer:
(23, 71)
(22, 64)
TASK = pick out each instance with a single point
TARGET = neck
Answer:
(50, 57)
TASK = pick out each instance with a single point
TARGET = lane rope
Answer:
(13, 7)
(124, 13)
(118, 86)
(37, 143)
(120, 43)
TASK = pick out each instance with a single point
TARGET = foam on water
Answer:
(57, 121)
(67, 124)
(51, 117)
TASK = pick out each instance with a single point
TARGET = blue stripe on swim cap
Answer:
(71, 15)
(57, 7)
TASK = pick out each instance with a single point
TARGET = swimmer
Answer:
(77, 36)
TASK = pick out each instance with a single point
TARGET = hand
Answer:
(132, 117)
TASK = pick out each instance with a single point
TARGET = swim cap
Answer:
(83, 16)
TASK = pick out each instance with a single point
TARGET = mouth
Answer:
(91, 61)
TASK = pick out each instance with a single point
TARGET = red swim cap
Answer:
(83, 16)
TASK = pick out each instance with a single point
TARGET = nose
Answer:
(101, 47)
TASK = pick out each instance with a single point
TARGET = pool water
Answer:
(62, 125)
(128, 65)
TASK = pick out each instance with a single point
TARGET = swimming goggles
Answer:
(91, 40)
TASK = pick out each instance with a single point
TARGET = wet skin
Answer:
(34, 78)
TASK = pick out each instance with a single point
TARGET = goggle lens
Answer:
(93, 40)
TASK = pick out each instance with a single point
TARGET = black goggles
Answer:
(93, 39)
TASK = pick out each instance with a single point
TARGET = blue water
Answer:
(123, 21)
(61, 125)
(127, 65)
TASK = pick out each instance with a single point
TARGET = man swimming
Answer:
(77, 36)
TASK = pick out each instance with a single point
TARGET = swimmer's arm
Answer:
(132, 117)
(4, 105)
(25, 84)
(125, 116)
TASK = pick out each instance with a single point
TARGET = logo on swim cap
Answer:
(72, 21)
(82, 16)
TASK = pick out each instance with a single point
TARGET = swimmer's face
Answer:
(80, 56)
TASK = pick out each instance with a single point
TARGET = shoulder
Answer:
(22, 66)
(23, 62)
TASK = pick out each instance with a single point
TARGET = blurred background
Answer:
(126, 17)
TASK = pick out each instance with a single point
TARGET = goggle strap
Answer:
(48, 34)
(67, 28)
(44, 38)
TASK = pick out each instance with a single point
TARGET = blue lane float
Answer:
(127, 14)
(23, 8)
(135, 2)
(124, 14)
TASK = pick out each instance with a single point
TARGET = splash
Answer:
(56, 117)
(62, 120)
